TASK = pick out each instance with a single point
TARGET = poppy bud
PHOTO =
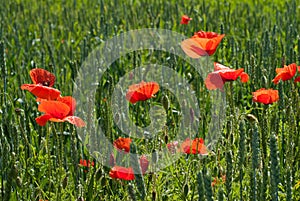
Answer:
(65, 182)
(19, 182)
(18, 111)
(98, 174)
(154, 157)
(165, 102)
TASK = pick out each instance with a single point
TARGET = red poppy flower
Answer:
(265, 96)
(201, 44)
(118, 172)
(144, 163)
(142, 91)
(195, 146)
(57, 111)
(122, 144)
(86, 163)
(285, 73)
(172, 147)
(222, 74)
(185, 19)
(42, 84)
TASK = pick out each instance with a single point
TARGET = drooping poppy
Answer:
(43, 81)
(144, 163)
(142, 91)
(185, 19)
(122, 144)
(118, 172)
(285, 73)
(202, 44)
(265, 96)
(57, 111)
(222, 74)
(195, 146)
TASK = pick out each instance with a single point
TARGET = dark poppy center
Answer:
(46, 83)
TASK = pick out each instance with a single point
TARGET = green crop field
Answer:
(250, 150)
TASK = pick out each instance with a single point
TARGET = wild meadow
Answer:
(60, 142)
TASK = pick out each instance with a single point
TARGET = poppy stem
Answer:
(49, 156)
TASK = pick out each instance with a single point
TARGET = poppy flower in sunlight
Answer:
(42, 84)
(172, 147)
(285, 73)
(59, 111)
(185, 19)
(265, 96)
(118, 172)
(195, 146)
(144, 163)
(123, 144)
(142, 91)
(202, 44)
(222, 74)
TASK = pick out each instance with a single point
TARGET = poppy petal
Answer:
(142, 91)
(75, 121)
(118, 172)
(56, 109)
(230, 75)
(42, 92)
(192, 49)
(297, 79)
(265, 96)
(285, 73)
(70, 101)
(185, 19)
(244, 77)
(42, 76)
(201, 44)
(122, 144)
(214, 81)
(42, 120)
(144, 163)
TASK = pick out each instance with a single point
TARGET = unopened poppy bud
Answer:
(98, 174)
(165, 102)
(19, 182)
(154, 156)
(153, 195)
(65, 182)
(14, 172)
(80, 199)
(18, 111)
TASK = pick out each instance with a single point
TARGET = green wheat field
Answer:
(257, 153)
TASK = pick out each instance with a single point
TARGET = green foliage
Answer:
(43, 162)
